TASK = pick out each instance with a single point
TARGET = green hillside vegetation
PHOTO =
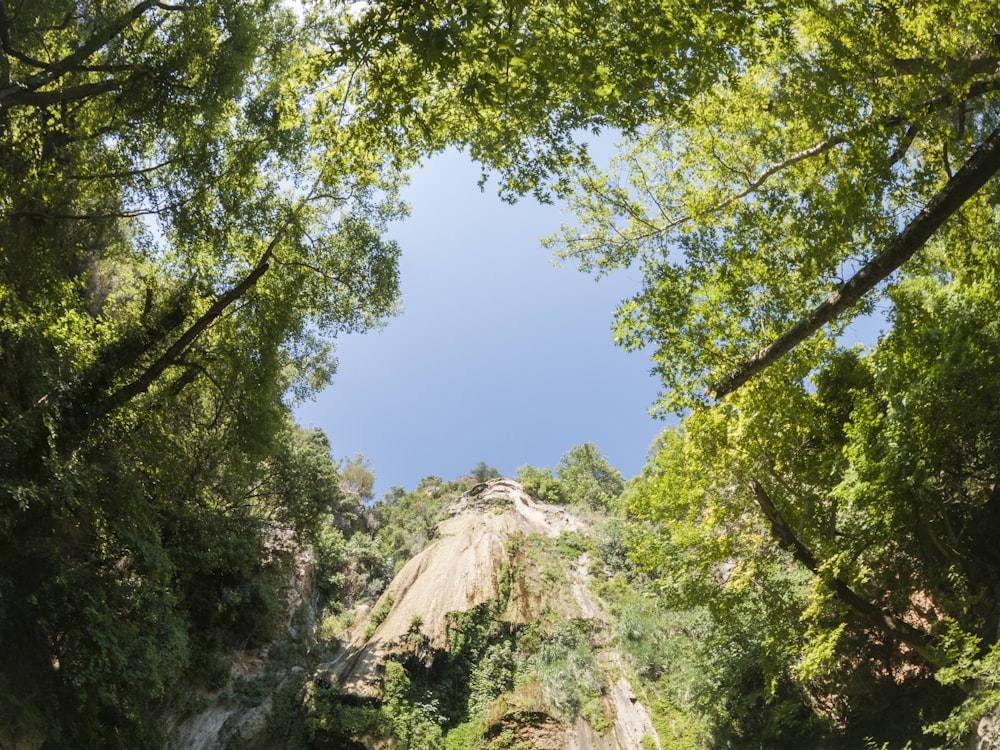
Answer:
(193, 205)
(496, 677)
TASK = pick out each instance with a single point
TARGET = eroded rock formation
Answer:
(481, 557)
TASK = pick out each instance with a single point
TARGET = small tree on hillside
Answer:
(482, 472)
(587, 477)
(357, 478)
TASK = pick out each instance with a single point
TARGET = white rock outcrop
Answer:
(462, 568)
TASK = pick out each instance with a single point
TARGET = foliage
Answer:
(377, 616)
(541, 485)
(588, 479)
(569, 675)
(480, 662)
(760, 196)
(882, 478)
(357, 478)
(330, 550)
(185, 226)
(326, 715)
(516, 82)
(192, 204)
(969, 665)
(703, 678)
(466, 736)
(405, 521)
(367, 570)
(411, 723)
(483, 472)
(583, 477)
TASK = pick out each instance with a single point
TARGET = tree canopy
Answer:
(185, 227)
(784, 168)
(192, 205)
(780, 160)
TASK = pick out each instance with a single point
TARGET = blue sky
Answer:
(496, 356)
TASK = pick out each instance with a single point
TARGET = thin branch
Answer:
(990, 83)
(21, 93)
(904, 145)
(131, 214)
(973, 175)
(334, 278)
(807, 153)
(123, 173)
(861, 608)
(98, 40)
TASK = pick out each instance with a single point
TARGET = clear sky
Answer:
(496, 356)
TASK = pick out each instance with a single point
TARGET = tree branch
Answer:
(861, 608)
(976, 64)
(123, 174)
(15, 94)
(21, 93)
(99, 39)
(937, 103)
(87, 405)
(176, 350)
(973, 175)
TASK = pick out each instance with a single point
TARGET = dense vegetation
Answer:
(181, 237)
(192, 201)
(498, 672)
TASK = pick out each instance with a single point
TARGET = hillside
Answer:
(494, 626)
(500, 631)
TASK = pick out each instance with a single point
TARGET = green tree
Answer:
(541, 484)
(875, 488)
(767, 210)
(411, 722)
(587, 478)
(518, 82)
(186, 224)
(305, 485)
(357, 478)
(482, 472)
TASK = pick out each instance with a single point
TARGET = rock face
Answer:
(478, 557)
(221, 720)
(457, 572)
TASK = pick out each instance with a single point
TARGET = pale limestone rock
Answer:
(460, 570)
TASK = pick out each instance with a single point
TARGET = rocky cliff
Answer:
(496, 628)
(491, 637)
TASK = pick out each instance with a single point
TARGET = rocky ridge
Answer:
(494, 550)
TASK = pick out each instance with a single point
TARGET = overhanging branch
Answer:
(28, 92)
(83, 415)
(176, 350)
(973, 175)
